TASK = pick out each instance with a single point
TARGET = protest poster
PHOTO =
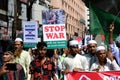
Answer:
(107, 75)
(54, 31)
(30, 33)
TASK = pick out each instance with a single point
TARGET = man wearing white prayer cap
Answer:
(92, 42)
(18, 39)
(100, 48)
(22, 56)
(73, 43)
(74, 61)
(106, 61)
(91, 52)
(73, 46)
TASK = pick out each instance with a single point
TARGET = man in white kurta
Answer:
(74, 61)
(107, 67)
(91, 52)
(78, 61)
(21, 56)
(106, 61)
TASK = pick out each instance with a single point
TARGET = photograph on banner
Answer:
(87, 39)
(30, 33)
(53, 17)
(54, 32)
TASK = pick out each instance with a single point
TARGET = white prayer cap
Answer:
(100, 48)
(18, 39)
(117, 39)
(73, 43)
(92, 42)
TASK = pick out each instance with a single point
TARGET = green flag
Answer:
(100, 21)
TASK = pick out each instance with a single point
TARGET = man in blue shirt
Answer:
(114, 46)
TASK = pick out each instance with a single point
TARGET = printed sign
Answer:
(54, 32)
(30, 31)
(108, 75)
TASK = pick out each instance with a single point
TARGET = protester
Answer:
(59, 55)
(114, 46)
(64, 54)
(91, 52)
(21, 56)
(57, 61)
(13, 72)
(32, 52)
(74, 61)
(106, 61)
(42, 67)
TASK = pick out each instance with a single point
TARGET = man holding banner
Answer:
(106, 65)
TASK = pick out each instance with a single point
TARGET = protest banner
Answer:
(55, 35)
(107, 75)
(54, 31)
(30, 33)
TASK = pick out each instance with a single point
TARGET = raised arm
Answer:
(111, 33)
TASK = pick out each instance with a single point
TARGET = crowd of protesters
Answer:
(40, 63)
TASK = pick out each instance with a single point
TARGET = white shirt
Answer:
(90, 59)
(24, 60)
(107, 67)
(116, 52)
(78, 61)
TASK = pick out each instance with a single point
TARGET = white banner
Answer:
(30, 31)
(54, 32)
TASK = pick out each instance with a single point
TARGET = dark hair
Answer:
(41, 45)
(50, 53)
(118, 44)
(9, 48)
(68, 45)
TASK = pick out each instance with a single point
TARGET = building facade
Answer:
(12, 13)
(75, 16)
(37, 8)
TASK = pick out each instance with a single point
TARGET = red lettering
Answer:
(62, 28)
(49, 35)
(54, 28)
(51, 28)
(46, 29)
(57, 28)
(55, 36)
(61, 35)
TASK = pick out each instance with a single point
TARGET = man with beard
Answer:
(91, 52)
(106, 61)
(74, 62)
(42, 67)
(21, 56)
